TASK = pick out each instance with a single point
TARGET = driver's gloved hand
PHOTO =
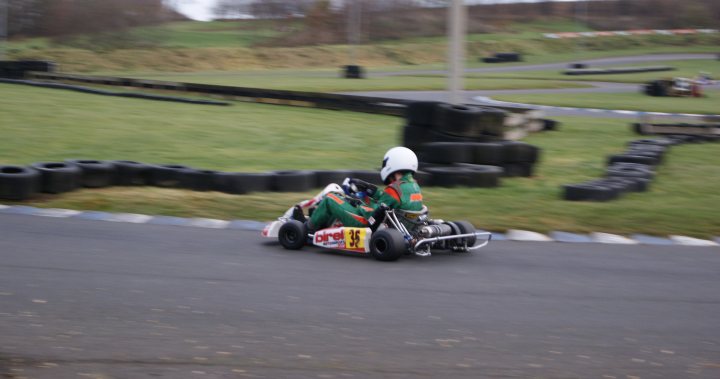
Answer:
(364, 186)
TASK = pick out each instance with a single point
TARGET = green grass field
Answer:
(49, 125)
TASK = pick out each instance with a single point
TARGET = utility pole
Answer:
(456, 52)
(4, 17)
(353, 27)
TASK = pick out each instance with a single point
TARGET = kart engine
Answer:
(437, 230)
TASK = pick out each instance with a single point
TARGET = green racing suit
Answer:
(403, 193)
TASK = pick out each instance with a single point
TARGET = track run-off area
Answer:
(91, 299)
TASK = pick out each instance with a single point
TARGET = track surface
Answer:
(561, 65)
(476, 97)
(114, 300)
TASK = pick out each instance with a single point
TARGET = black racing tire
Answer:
(639, 128)
(446, 153)
(353, 72)
(487, 153)
(167, 175)
(589, 192)
(58, 177)
(632, 159)
(509, 57)
(415, 135)
(628, 172)
(325, 177)
(459, 120)
(199, 180)
(634, 184)
(293, 181)
(466, 227)
(665, 142)
(621, 186)
(465, 175)
(240, 183)
(657, 155)
(520, 152)
(18, 183)
(550, 125)
(492, 60)
(515, 170)
(493, 122)
(387, 245)
(95, 174)
(131, 173)
(293, 235)
(421, 113)
(648, 147)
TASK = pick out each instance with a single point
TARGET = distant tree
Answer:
(279, 8)
(231, 8)
(60, 17)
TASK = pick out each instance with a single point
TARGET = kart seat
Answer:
(412, 216)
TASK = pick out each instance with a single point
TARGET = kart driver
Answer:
(402, 192)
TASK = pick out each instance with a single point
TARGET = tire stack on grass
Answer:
(656, 88)
(461, 145)
(630, 171)
(503, 58)
(17, 69)
(431, 121)
(353, 72)
(476, 164)
(18, 183)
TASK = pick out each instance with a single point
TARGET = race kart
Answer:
(393, 233)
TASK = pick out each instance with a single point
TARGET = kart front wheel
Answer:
(292, 235)
(387, 245)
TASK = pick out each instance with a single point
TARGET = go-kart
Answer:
(392, 234)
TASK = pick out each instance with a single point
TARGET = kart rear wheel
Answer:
(292, 235)
(465, 228)
(387, 245)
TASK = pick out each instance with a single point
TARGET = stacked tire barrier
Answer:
(630, 171)
(431, 121)
(353, 72)
(18, 183)
(464, 145)
(95, 91)
(503, 58)
(18, 69)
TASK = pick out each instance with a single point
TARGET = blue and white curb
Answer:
(250, 225)
(491, 101)
(134, 218)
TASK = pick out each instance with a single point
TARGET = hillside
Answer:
(413, 36)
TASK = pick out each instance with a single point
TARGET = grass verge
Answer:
(45, 125)
(314, 82)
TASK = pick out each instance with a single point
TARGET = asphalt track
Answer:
(84, 299)
(599, 62)
(480, 96)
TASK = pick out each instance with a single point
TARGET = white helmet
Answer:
(398, 159)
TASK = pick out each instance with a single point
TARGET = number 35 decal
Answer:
(355, 238)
